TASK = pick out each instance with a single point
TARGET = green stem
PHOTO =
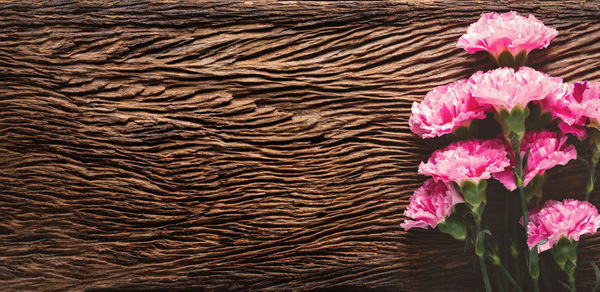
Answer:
(517, 267)
(508, 277)
(571, 276)
(533, 262)
(519, 181)
(536, 285)
(484, 273)
(505, 258)
(482, 265)
(592, 178)
(523, 207)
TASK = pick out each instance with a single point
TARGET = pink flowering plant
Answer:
(433, 205)
(535, 116)
(444, 110)
(507, 38)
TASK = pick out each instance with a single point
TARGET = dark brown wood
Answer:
(238, 145)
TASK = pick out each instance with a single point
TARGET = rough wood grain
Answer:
(237, 145)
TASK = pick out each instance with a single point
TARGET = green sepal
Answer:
(493, 58)
(461, 133)
(474, 196)
(538, 119)
(520, 59)
(569, 270)
(467, 131)
(506, 59)
(533, 260)
(513, 124)
(479, 242)
(534, 267)
(494, 258)
(534, 189)
(455, 226)
(515, 252)
(564, 253)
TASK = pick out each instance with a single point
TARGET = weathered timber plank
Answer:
(237, 145)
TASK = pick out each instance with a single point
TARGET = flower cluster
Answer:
(448, 107)
(534, 112)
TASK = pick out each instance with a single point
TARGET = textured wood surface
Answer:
(238, 146)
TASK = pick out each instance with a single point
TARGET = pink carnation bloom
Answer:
(495, 33)
(430, 204)
(471, 160)
(503, 88)
(444, 109)
(546, 150)
(569, 218)
(575, 109)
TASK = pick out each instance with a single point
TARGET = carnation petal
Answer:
(503, 88)
(471, 160)
(430, 204)
(546, 150)
(507, 178)
(444, 109)
(569, 218)
(578, 107)
(495, 33)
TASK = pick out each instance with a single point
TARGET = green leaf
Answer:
(594, 134)
(584, 162)
(454, 226)
(534, 248)
(526, 157)
(597, 273)
(534, 189)
(504, 271)
(469, 240)
(567, 286)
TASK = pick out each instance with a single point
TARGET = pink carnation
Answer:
(575, 109)
(430, 204)
(471, 160)
(505, 88)
(495, 33)
(569, 218)
(444, 109)
(546, 150)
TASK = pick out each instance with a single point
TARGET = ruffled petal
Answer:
(495, 33)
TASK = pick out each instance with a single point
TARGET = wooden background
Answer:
(238, 145)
